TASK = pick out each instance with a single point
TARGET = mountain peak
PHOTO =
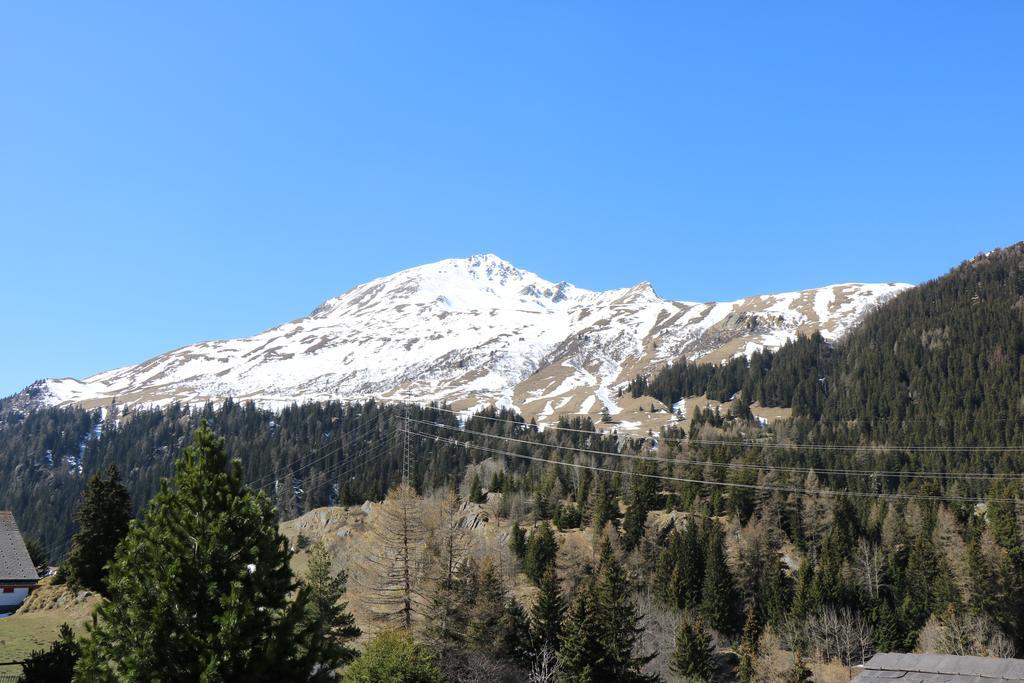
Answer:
(472, 331)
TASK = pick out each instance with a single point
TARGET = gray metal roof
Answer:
(906, 668)
(15, 564)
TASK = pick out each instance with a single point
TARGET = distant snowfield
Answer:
(474, 332)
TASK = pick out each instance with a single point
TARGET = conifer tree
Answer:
(687, 579)
(103, 521)
(619, 621)
(694, 654)
(718, 594)
(391, 575)
(55, 665)
(393, 656)
(489, 596)
(803, 598)
(199, 588)
(582, 650)
(748, 646)
(541, 551)
(548, 612)
(601, 505)
(515, 641)
(517, 541)
(335, 624)
(642, 496)
(476, 491)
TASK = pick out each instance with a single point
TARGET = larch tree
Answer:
(391, 574)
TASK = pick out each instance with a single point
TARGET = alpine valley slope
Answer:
(473, 332)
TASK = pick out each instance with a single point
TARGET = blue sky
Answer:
(182, 171)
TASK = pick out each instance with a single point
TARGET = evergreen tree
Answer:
(582, 652)
(541, 552)
(515, 636)
(199, 588)
(103, 521)
(602, 505)
(476, 491)
(548, 612)
(803, 598)
(395, 657)
(36, 554)
(694, 654)
(517, 541)
(687, 579)
(488, 604)
(718, 594)
(334, 624)
(642, 496)
(55, 665)
(619, 620)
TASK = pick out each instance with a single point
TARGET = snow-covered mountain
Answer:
(472, 332)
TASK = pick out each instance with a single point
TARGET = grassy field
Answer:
(26, 631)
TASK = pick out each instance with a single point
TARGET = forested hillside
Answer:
(939, 365)
(885, 515)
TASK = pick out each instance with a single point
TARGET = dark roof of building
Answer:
(905, 668)
(15, 564)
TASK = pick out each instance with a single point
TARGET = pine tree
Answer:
(687, 579)
(803, 598)
(582, 650)
(489, 596)
(548, 612)
(602, 507)
(619, 620)
(694, 654)
(476, 491)
(515, 639)
(55, 665)
(634, 524)
(517, 541)
(541, 551)
(332, 623)
(718, 594)
(393, 656)
(103, 521)
(199, 588)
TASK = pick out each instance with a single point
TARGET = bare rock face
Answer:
(471, 332)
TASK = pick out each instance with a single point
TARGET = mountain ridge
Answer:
(472, 332)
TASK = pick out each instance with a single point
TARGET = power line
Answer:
(756, 444)
(740, 466)
(378, 450)
(366, 432)
(725, 484)
(262, 482)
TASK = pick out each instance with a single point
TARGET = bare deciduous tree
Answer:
(544, 667)
(960, 633)
(390, 573)
(840, 635)
(868, 563)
